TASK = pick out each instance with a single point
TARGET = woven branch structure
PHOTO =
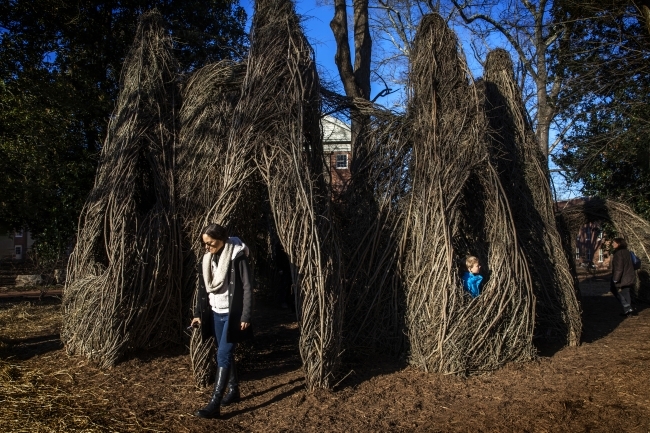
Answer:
(458, 207)
(279, 114)
(369, 214)
(214, 180)
(377, 264)
(625, 223)
(123, 290)
(525, 180)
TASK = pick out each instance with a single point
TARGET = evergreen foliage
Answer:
(607, 58)
(59, 71)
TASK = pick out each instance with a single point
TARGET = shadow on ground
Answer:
(601, 315)
(26, 348)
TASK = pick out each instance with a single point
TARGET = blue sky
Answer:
(316, 16)
(316, 23)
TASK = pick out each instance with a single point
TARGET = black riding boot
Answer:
(212, 409)
(232, 396)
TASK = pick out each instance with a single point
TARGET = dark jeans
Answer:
(623, 296)
(225, 350)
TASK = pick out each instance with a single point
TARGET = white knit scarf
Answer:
(215, 282)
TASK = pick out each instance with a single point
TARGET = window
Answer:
(588, 254)
(588, 233)
(600, 235)
(341, 161)
(600, 255)
(19, 251)
(577, 253)
(18, 234)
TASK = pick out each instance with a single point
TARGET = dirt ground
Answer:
(601, 386)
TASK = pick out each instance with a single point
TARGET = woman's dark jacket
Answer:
(240, 294)
(623, 273)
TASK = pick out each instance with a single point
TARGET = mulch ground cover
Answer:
(601, 386)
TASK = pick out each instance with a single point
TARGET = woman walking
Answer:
(623, 275)
(223, 309)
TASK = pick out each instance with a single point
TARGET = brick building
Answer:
(591, 250)
(337, 147)
(14, 245)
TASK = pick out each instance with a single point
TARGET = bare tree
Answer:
(529, 28)
(393, 24)
(355, 79)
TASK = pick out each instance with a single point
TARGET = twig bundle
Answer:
(214, 180)
(279, 115)
(457, 206)
(385, 254)
(369, 215)
(123, 289)
(626, 223)
(524, 176)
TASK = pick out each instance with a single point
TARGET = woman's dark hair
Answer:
(215, 231)
(621, 243)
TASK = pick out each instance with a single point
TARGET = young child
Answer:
(471, 278)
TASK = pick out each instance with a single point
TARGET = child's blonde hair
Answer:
(471, 261)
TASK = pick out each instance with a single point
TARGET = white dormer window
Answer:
(18, 234)
(341, 161)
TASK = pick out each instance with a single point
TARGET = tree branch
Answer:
(515, 44)
(343, 57)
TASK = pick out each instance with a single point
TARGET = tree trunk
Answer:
(544, 116)
(356, 81)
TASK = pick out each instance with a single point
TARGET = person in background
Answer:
(472, 278)
(223, 309)
(623, 276)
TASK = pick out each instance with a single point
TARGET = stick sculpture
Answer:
(214, 180)
(123, 290)
(278, 115)
(458, 206)
(525, 179)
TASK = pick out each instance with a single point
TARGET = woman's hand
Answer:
(196, 322)
(244, 325)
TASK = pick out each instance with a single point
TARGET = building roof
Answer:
(337, 135)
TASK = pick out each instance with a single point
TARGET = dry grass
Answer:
(27, 319)
(35, 402)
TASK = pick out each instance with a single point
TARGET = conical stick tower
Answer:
(458, 207)
(516, 155)
(123, 290)
(278, 115)
(215, 181)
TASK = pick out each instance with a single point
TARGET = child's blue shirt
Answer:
(472, 283)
